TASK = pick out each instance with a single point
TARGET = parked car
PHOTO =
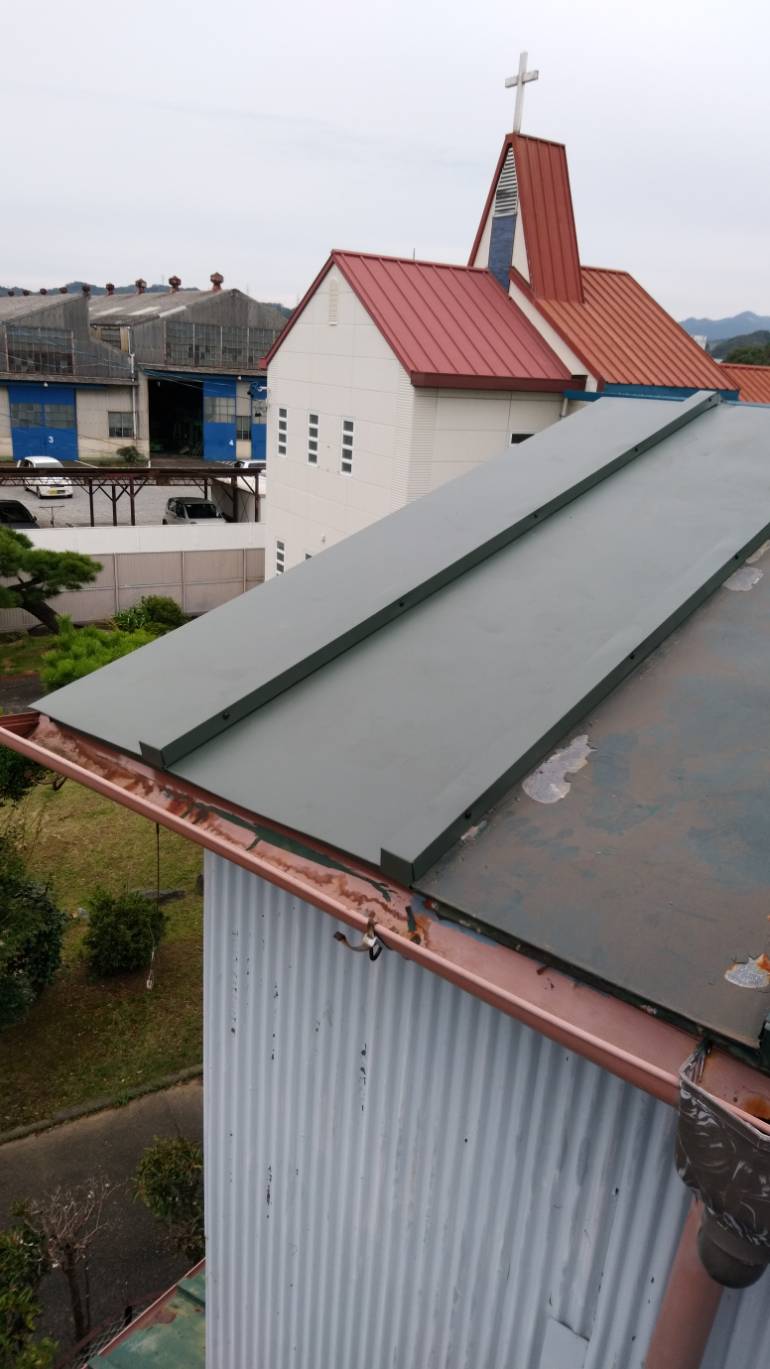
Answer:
(45, 486)
(14, 514)
(187, 509)
(246, 464)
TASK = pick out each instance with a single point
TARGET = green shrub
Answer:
(169, 1181)
(131, 455)
(155, 613)
(23, 1263)
(79, 651)
(31, 934)
(122, 932)
(18, 774)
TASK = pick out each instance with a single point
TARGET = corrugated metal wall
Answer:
(398, 1175)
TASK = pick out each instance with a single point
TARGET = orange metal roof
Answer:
(752, 382)
(545, 199)
(448, 325)
(626, 338)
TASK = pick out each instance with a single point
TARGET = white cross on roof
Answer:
(519, 81)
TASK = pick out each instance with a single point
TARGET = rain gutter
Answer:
(631, 1043)
(628, 1042)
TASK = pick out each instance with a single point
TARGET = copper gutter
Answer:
(632, 1043)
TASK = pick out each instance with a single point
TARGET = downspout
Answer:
(689, 1308)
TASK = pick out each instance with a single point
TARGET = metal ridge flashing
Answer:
(624, 1039)
(425, 550)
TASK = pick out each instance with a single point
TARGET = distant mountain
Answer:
(761, 338)
(74, 287)
(715, 329)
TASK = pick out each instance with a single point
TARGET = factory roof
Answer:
(534, 695)
(18, 306)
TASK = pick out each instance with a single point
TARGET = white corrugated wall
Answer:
(398, 1175)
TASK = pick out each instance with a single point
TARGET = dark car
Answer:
(16, 515)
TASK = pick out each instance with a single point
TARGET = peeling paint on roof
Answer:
(548, 783)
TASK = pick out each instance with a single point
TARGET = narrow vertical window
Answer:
(283, 431)
(280, 557)
(312, 439)
(346, 463)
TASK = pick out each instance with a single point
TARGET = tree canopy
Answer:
(37, 575)
(749, 356)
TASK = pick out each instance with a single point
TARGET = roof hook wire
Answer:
(369, 941)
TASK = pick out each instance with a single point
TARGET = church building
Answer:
(393, 376)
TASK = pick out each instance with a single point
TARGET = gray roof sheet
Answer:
(113, 308)
(393, 689)
(18, 306)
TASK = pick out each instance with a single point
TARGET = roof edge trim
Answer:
(618, 1036)
(168, 752)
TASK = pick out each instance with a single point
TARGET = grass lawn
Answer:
(20, 654)
(83, 1038)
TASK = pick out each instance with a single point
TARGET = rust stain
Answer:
(757, 1106)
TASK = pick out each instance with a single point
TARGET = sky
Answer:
(157, 137)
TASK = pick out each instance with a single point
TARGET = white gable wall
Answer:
(398, 1174)
(338, 371)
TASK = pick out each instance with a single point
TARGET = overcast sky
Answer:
(155, 136)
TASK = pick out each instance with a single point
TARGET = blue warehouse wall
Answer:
(43, 420)
(219, 428)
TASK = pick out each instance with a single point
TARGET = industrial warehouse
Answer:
(177, 372)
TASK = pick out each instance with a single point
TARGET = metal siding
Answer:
(43, 440)
(219, 438)
(399, 1175)
(501, 248)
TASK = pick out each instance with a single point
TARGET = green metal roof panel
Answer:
(387, 751)
(196, 683)
(172, 1333)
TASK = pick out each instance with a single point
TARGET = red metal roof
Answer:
(624, 337)
(448, 325)
(752, 382)
(545, 200)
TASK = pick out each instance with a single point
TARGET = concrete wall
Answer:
(456, 430)
(140, 561)
(342, 370)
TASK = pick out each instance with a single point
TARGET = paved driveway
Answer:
(130, 1261)
(74, 512)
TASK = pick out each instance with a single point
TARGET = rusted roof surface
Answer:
(639, 852)
(549, 222)
(169, 1335)
(448, 325)
(626, 338)
(752, 382)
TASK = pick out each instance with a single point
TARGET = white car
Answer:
(190, 509)
(245, 464)
(41, 477)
